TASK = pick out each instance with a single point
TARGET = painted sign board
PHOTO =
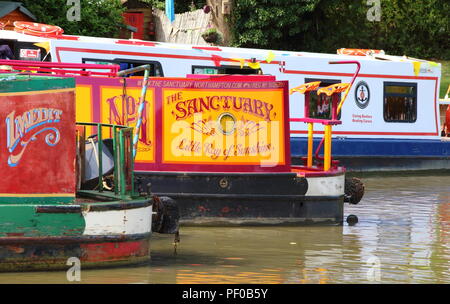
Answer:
(30, 54)
(37, 150)
(238, 124)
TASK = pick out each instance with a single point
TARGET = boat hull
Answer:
(246, 199)
(54, 253)
(382, 155)
(98, 234)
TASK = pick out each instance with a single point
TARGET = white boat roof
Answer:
(6, 34)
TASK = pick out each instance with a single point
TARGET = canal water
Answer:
(403, 236)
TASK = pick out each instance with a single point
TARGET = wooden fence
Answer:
(186, 28)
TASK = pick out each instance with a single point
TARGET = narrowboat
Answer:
(217, 146)
(49, 215)
(392, 121)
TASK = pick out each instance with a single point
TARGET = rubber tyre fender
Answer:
(166, 219)
(354, 190)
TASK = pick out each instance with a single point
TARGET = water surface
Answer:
(403, 236)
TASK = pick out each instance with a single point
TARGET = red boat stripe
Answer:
(114, 250)
(139, 43)
(79, 50)
(207, 48)
(360, 75)
(69, 49)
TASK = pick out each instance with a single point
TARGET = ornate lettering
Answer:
(184, 109)
(123, 110)
(23, 129)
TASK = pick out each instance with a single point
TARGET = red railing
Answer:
(79, 69)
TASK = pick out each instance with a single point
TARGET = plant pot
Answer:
(210, 37)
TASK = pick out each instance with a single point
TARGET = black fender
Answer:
(354, 190)
(166, 215)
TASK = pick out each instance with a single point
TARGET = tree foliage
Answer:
(415, 28)
(275, 24)
(99, 18)
(179, 6)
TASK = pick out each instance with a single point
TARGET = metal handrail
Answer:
(146, 68)
(327, 138)
(341, 103)
(119, 155)
(62, 68)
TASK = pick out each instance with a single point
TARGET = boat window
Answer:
(225, 69)
(400, 102)
(7, 48)
(320, 106)
(21, 50)
(155, 66)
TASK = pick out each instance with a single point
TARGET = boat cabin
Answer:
(391, 112)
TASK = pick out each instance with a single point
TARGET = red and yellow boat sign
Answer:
(217, 126)
(238, 124)
(37, 155)
(120, 107)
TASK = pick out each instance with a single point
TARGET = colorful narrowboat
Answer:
(218, 145)
(47, 216)
(392, 121)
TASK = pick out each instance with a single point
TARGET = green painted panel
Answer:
(22, 220)
(37, 200)
(24, 83)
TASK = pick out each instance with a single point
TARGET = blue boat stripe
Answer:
(365, 147)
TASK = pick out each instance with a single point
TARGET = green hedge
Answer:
(445, 79)
(99, 18)
(407, 27)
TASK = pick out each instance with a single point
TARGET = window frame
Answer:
(157, 64)
(413, 95)
(330, 82)
(225, 67)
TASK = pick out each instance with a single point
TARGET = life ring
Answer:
(359, 52)
(37, 29)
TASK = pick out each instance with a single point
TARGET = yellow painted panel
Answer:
(219, 126)
(123, 110)
(84, 103)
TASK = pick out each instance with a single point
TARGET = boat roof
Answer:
(7, 34)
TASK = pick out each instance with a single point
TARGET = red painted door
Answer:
(136, 20)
